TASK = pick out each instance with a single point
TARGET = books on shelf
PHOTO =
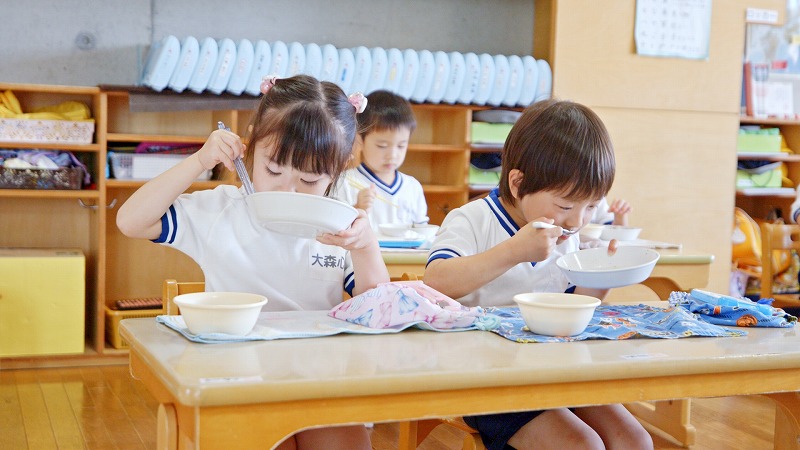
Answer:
(768, 93)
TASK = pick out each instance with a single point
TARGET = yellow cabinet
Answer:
(42, 300)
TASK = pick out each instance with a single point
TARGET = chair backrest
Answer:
(408, 276)
(172, 288)
(775, 237)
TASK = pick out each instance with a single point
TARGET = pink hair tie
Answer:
(267, 82)
(358, 101)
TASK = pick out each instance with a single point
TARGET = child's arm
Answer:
(368, 265)
(457, 277)
(140, 216)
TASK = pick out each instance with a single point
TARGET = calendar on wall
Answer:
(673, 28)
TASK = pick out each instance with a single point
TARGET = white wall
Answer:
(39, 39)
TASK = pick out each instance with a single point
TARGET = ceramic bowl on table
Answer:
(425, 230)
(591, 231)
(619, 232)
(394, 229)
(595, 268)
(233, 313)
(297, 214)
(556, 314)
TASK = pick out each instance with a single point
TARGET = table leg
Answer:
(787, 422)
(669, 417)
(167, 432)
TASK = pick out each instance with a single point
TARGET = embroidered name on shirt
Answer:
(327, 261)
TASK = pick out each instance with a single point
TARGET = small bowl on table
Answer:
(556, 314)
(394, 229)
(597, 269)
(591, 231)
(619, 232)
(425, 230)
(232, 313)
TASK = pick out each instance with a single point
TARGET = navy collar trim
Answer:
(389, 189)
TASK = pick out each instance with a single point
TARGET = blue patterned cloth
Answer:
(734, 312)
(618, 322)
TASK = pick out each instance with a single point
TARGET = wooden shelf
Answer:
(51, 146)
(777, 157)
(128, 137)
(748, 120)
(49, 193)
(135, 184)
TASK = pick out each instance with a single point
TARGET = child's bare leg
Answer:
(556, 429)
(352, 437)
(618, 428)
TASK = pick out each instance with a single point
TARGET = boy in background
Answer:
(376, 185)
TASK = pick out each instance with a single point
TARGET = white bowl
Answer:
(394, 229)
(619, 232)
(297, 214)
(556, 314)
(595, 268)
(425, 230)
(220, 312)
(591, 231)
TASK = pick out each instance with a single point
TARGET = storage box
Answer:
(144, 166)
(42, 301)
(32, 130)
(63, 178)
(113, 318)
(768, 179)
(758, 143)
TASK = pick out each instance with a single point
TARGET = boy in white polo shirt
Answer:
(557, 165)
(376, 185)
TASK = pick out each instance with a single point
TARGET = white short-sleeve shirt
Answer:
(602, 215)
(215, 229)
(482, 224)
(403, 201)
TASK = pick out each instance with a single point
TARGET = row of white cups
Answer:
(422, 76)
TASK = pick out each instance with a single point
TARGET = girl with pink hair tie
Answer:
(301, 140)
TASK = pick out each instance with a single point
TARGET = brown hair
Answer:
(311, 124)
(559, 146)
(386, 111)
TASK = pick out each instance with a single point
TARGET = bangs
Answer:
(304, 139)
(561, 147)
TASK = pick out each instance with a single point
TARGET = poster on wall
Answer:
(673, 28)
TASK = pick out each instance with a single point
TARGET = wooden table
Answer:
(255, 394)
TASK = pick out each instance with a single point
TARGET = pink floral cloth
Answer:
(398, 304)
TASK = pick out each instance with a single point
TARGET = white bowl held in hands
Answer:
(302, 215)
(556, 314)
(619, 232)
(595, 268)
(233, 313)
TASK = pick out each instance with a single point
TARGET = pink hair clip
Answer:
(267, 82)
(358, 101)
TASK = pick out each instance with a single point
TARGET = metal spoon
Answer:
(564, 232)
(240, 169)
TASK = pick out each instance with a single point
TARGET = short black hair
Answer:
(559, 146)
(386, 111)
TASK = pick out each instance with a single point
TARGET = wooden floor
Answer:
(102, 407)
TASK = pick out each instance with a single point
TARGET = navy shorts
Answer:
(497, 429)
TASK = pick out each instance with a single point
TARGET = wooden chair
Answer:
(414, 432)
(171, 288)
(777, 236)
